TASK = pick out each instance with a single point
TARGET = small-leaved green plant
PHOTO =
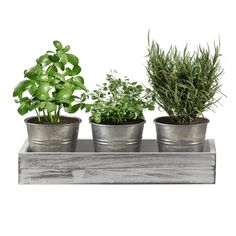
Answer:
(184, 84)
(119, 100)
(50, 85)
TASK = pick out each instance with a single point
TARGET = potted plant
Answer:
(117, 118)
(185, 86)
(48, 87)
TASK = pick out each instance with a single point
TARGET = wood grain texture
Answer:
(147, 166)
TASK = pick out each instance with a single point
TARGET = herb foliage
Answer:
(184, 84)
(50, 85)
(119, 100)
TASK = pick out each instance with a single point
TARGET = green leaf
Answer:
(79, 79)
(82, 106)
(66, 48)
(94, 97)
(53, 58)
(23, 86)
(42, 91)
(74, 96)
(33, 72)
(58, 45)
(52, 68)
(42, 96)
(68, 71)
(49, 51)
(42, 105)
(53, 81)
(139, 87)
(75, 71)
(64, 59)
(34, 104)
(176, 98)
(83, 97)
(72, 59)
(59, 53)
(42, 59)
(60, 66)
(24, 106)
(33, 88)
(50, 107)
(87, 107)
(56, 75)
(151, 107)
(72, 109)
(43, 77)
(69, 85)
(97, 119)
(64, 95)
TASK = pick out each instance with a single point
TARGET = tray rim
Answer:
(23, 150)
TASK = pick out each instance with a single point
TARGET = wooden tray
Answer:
(146, 167)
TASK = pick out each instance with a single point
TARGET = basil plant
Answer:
(51, 84)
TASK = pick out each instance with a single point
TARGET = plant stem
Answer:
(55, 115)
(58, 113)
(44, 114)
(50, 117)
(38, 115)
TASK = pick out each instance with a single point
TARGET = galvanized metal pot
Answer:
(53, 137)
(117, 138)
(180, 138)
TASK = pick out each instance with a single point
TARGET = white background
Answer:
(113, 35)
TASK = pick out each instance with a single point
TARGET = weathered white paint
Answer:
(147, 166)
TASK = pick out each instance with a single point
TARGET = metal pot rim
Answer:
(53, 124)
(122, 125)
(204, 121)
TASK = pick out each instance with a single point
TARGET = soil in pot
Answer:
(63, 120)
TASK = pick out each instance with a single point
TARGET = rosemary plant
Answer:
(184, 83)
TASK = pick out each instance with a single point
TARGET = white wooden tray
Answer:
(146, 167)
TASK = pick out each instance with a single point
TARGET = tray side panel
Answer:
(116, 168)
(183, 175)
(97, 161)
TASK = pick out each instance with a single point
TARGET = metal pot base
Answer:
(117, 138)
(53, 137)
(180, 138)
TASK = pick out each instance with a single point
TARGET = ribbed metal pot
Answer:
(180, 138)
(117, 138)
(53, 137)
